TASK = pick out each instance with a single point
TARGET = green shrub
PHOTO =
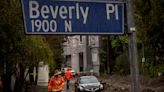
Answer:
(122, 64)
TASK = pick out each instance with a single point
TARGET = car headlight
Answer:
(101, 86)
(81, 88)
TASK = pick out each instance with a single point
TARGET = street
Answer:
(117, 83)
(44, 88)
(71, 86)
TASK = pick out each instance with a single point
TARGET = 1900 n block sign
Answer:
(73, 17)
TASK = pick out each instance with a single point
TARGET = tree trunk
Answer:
(7, 78)
(7, 82)
(20, 79)
(36, 76)
(107, 63)
(109, 56)
(31, 74)
(16, 85)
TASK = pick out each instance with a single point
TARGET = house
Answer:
(81, 53)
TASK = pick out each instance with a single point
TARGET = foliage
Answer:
(118, 46)
(103, 55)
(122, 64)
(36, 49)
(55, 43)
(150, 29)
(18, 50)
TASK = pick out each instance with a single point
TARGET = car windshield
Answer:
(88, 80)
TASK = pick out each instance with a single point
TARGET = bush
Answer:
(122, 64)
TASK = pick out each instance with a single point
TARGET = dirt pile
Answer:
(117, 83)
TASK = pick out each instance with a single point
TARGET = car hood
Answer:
(90, 85)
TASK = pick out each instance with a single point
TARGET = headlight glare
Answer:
(101, 86)
(81, 88)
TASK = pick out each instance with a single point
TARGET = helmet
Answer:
(57, 72)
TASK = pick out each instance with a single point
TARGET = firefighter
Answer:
(68, 76)
(56, 83)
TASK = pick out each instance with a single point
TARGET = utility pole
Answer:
(88, 54)
(132, 47)
(108, 67)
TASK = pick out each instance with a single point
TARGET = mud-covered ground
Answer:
(117, 83)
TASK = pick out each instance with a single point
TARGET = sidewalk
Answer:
(39, 89)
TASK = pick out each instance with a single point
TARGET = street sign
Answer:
(73, 17)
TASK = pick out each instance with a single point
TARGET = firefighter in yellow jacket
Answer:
(56, 83)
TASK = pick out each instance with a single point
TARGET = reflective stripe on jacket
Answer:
(56, 84)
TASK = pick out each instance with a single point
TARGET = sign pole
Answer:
(132, 48)
(88, 54)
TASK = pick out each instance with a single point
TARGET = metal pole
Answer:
(132, 48)
(88, 53)
(108, 66)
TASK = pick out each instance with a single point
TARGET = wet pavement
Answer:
(44, 88)
(117, 83)
(72, 82)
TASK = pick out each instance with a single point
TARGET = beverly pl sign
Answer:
(73, 17)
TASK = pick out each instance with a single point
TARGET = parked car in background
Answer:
(88, 83)
(63, 70)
